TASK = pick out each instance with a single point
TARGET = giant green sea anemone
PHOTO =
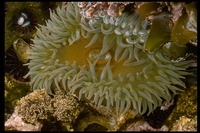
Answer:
(102, 60)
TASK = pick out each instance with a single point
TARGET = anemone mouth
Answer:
(102, 60)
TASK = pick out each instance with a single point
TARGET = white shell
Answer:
(20, 21)
(24, 15)
(26, 24)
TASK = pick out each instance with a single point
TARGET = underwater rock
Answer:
(183, 116)
(35, 107)
(63, 111)
(185, 124)
(66, 109)
(39, 107)
(113, 9)
(13, 91)
(15, 123)
(143, 126)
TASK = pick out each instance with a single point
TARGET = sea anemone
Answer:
(102, 60)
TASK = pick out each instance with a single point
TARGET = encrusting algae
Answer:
(37, 108)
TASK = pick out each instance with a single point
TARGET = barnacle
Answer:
(102, 60)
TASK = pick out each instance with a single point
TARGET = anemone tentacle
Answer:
(102, 59)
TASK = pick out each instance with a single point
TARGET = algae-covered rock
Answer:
(183, 117)
(15, 123)
(66, 109)
(13, 91)
(35, 107)
(143, 126)
(185, 124)
(64, 113)
(40, 108)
